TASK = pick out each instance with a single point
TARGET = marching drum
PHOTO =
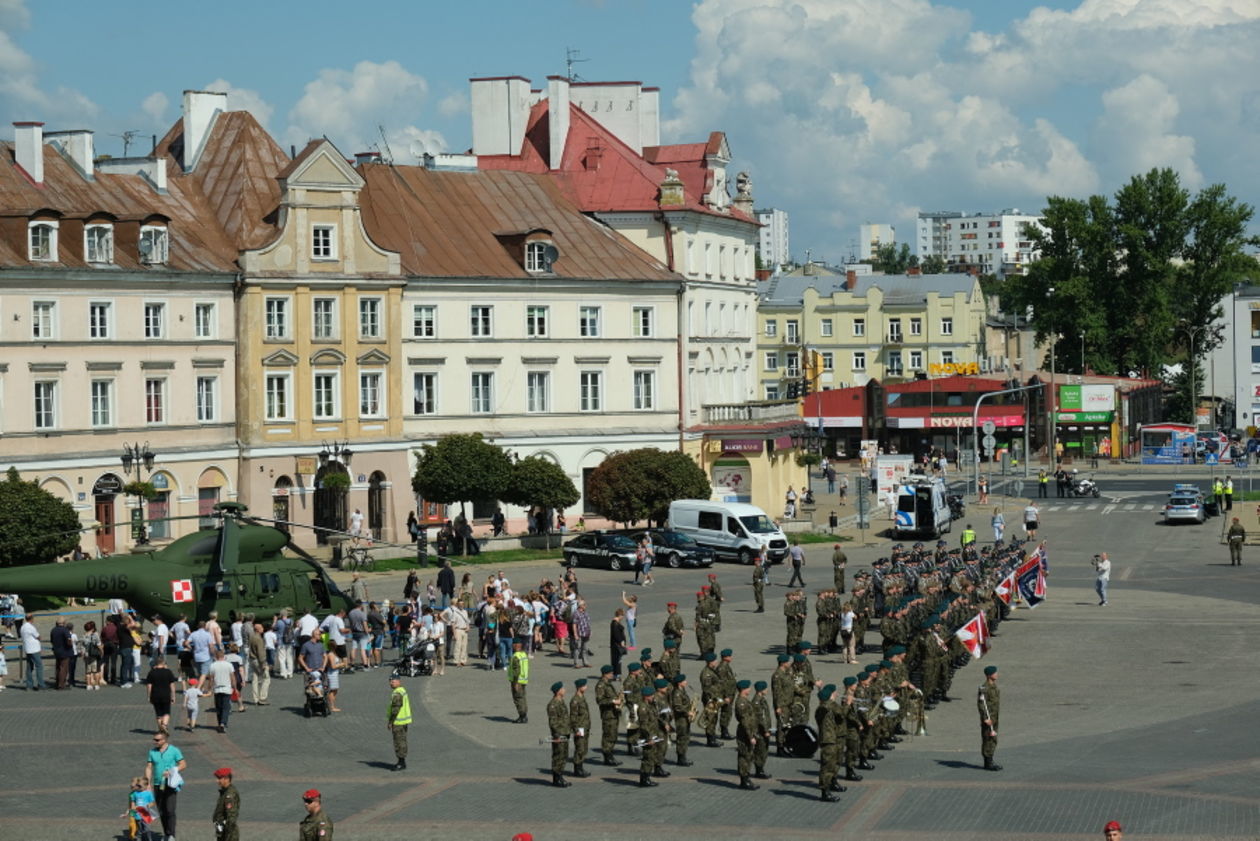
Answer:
(801, 741)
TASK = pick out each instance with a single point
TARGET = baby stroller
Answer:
(418, 661)
(316, 701)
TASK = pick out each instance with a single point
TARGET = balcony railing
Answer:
(761, 411)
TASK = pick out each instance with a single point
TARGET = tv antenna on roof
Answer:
(570, 59)
(389, 154)
(127, 138)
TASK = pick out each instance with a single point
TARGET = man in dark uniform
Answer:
(989, 704)
(674, 628)
(608, 699)
(759, 582)
(727, 674)
(761, 751)
(683, 705)
(745, 734)
(227, 807)
(316, 826)
(558, 722)
(580, 722)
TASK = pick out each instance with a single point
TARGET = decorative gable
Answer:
(280, 359)
(328, 356)
(320, 167)
(375, 356)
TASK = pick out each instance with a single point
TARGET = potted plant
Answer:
(143, 490)
(335, 482)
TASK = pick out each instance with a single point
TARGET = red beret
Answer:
(1113, 825)
(671, 604)
(713, 575)
(311, 794)
(223, 772)
(522, 836)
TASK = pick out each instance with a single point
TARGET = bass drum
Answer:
(801, 741)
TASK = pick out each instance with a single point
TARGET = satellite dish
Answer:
(418, 148)
(146, 250)
(550, 255)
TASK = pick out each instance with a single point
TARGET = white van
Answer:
(733, 530)
(922, 508)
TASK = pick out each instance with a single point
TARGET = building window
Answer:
(278, 397)
(480, 321)
(46, 404)
(325, 400)
(371, 394)
(859, 360)
(98, 243)
(916, 360)
(588, 322)
(825, 327)
(708, 259)
(590, 398)
(207, 399)
(42, 241)
(43, 320)
(424, 394)
(370, 318)
(102, 403)
(537, 391)
(947, 357)
(324, 318)
(154, 245)
(947, 326)
(155, 400)
(645, 390)
(793, 364)
(424, 321)
(828, 360)
(859, 326)
(772, 328)
(894, 329)
(536, 322)
(536, 257)
(772, 361)
(203, 321)
(276, 318)
(154, 320)
(894, 363)
(643, 317)
(793, 333)
(916, 327)
(324, 242)
(99, 320)
(482, 392)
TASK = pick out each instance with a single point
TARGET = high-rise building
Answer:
(772, 246)
(990, 243)
(871, 236)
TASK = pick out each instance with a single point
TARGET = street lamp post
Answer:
(142, 459)
(1194, 400)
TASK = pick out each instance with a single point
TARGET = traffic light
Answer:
(806, 386)
(793, 390)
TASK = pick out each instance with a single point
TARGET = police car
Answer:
(1185, 504)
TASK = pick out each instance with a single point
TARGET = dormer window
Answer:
(539, 255)
(43, 241)
(154, 244)
(98, 243)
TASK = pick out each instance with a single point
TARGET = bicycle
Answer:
(359, 558)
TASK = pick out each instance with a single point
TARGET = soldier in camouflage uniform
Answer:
(608, 699)
(558, 722)
(745, 734)
(650, 732)
(839, 561)
(829, 744)
(711, 697)
(715, 593)
(727, 674)
(668, 665)
(705, 637)
(794, 610)
(665, 717)
(783, 696)
(674, 628)
(855, 722)
(580, 723)
(635, 681)
(759, 582)
(683, 705)
(989, 704)
(761, 750)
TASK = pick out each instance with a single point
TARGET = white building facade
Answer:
(772, 245)
(991, 243)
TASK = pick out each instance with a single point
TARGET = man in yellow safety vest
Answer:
(399, 719)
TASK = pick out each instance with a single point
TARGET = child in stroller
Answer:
(419, 659)
(316, 701)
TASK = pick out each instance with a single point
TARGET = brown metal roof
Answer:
(444, 224)
(196, 241)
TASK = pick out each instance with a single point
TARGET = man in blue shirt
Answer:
(164, 773)
(200, 643)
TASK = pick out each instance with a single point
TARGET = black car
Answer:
(675, 549)
(613, 551)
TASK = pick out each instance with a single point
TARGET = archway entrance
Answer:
(332, 483)
(280, 502)
(104, 492)
(376, 504)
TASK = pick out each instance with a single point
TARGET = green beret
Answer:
(990, 670)
(605, 670)
(726, 652)
(557, 686)
(885, 664)
(850, 681)
(709, 656)
(633, 667)
(660, 683)
(645, 654)
(799, 658)
(785, 658)
(831, 687)
(872, 668)
(896, 649)
(743, 684)
(580, 682)
(826, 692)
(804, 644)
(679, 678)
(671, 643)
(647, 691)
(761, 686)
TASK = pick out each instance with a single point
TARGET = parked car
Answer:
(598, 549)
(675, 549)
(1185, 504)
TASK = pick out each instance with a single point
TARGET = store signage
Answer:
(783, 442)
(160, 482)
(947, 369)
(743, 445)
(107, 485)
(1087, 398)
(1085, 417)
(964, 421)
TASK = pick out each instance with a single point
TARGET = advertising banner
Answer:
(1087, 398)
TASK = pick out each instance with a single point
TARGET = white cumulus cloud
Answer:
(244, 99)
(154, 105)
(22, 95)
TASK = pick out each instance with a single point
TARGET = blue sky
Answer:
(844, 111)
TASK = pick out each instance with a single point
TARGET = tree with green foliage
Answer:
(933, 264)
(891, 259)
(1133, 277)
(461, 467)
(540, 481)
(640, 484)
(35, 526)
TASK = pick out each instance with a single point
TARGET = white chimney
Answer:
(500, 110)
(77, 145)
(28, 149)
(557, 116)
(200, 109)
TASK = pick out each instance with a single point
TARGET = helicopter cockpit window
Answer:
(268, 582)
(211, 590)
(319, 592)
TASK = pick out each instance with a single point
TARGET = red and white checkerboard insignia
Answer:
(182, 590)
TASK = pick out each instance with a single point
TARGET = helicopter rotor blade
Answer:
(229, 545)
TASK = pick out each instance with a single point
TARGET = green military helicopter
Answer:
(237, 566)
